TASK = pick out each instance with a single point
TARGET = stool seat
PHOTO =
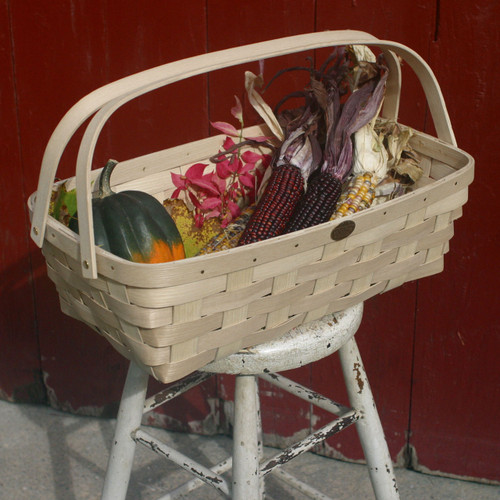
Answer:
(298, 347)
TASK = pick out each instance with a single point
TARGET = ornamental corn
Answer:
(343, 122)
(318, 203)
(358, 196)
(298, 156)
(230, 235)
(283, 192)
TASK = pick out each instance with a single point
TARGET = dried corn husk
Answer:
(403, 166)
(262, 108)
(362, 53)
(364, 67)
(370, 155)
(396, 139)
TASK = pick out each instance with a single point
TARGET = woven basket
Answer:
(174, 318)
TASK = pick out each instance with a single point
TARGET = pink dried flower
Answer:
(234, 181)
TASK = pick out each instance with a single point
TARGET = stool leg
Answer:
(260, 440)
(368, 426)
(246, 459)
(129, 419)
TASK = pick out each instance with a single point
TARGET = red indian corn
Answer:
(318, 203)
(343, 121)
(271, 216)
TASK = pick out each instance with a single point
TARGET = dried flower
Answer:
(234, 182)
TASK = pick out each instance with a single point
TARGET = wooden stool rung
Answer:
(304, 393)
(175, 390)
(309, 442)
(200, 471)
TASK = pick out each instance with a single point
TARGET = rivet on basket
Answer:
(343, 230)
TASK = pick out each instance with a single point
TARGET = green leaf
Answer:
(64, 206)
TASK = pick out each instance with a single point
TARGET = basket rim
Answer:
(115, 268)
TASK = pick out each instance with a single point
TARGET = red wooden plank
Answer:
(148, 35)
(285, 418)
(20, 378)
(409, 23)
(59, 58)
(251, 22)
(59, 54)
(456, 391)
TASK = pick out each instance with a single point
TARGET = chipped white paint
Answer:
(123, 449)
(306, 444)
(246, 446)
(369, 427)
(300, 346)
(199, 471)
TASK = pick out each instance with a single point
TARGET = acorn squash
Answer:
(132, 224)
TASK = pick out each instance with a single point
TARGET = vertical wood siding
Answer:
(429, 348)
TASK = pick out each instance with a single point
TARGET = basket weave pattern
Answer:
(174, 318)
(183, 323)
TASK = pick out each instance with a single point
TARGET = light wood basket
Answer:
(174, 318)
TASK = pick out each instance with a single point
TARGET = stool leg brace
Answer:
(248, 470)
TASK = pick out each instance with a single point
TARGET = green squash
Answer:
(132, 224)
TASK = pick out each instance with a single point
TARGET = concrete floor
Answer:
(49, 455)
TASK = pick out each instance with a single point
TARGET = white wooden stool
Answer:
(300, 346)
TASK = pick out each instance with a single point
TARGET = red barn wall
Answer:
(430, 347)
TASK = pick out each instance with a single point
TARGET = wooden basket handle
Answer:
(104, 101)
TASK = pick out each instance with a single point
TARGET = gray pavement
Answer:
(49, 455)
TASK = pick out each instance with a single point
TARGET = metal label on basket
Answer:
(343, 230)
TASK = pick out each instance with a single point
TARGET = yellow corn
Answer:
(230, 235)
(358, 196)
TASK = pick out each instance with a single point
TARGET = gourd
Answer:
(132, 224)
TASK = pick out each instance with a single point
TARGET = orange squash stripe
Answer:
(161, 252)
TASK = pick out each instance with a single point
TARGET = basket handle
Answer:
(104, 101)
